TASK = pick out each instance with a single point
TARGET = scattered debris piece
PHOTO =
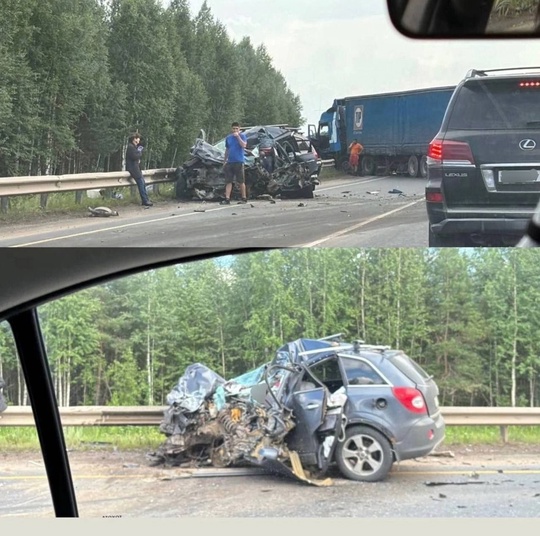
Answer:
(374, 192)
(443, 454)
(103, 212)
(451, 483)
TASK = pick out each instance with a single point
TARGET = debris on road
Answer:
(452, 483)
(443, 454)
(102, 212)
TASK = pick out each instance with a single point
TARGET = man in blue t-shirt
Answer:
(235, 143)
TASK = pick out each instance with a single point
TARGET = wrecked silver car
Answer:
(276, 165)
(319, 402)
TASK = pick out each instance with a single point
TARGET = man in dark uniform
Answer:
(133, 158)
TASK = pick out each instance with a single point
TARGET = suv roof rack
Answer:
(361, 345)
(284, 126)
(472, 73)
(335, 337)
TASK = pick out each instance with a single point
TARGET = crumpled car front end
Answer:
(252, 419)
(202, 176)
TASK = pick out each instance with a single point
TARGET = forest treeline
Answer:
(79, 75)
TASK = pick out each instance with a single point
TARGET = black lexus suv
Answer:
(484, 164)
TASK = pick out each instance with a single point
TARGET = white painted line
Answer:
(145, 222)
(355, 183)
(358, 225)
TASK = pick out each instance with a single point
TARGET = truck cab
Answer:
(328, 137)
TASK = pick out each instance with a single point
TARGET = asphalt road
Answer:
(119, 484)
(346, 211)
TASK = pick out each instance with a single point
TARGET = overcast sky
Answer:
(336, 48)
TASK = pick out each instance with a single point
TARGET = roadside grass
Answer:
(490, 435)
(24, 208)
(15, 439)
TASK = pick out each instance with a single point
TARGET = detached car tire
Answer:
(364, 455)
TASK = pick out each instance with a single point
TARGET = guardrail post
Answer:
(504, 434)
(43, 200)
(4, 204)
(78, 197)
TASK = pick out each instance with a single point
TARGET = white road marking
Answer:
(95, 231)
(358, 225)
(355, 183)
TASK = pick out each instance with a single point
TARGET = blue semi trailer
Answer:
(394, 128)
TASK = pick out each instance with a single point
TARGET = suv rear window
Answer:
(496, 105)
(407, 366)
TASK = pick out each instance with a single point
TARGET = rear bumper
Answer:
(474, 220)
(475, 226)
(417, 443)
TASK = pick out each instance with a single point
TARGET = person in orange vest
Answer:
(355, 148)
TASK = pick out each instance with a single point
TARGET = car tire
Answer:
(368, 165)
(413, 166)
(423, 166)
(364, 455)
(343, 165)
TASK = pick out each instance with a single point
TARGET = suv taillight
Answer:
(411, 398)
(450, 151)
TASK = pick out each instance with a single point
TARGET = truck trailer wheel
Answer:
(413, 166)
(423, 166)
(368, 165)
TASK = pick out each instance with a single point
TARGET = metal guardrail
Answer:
(153, 415)
(44, 184)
